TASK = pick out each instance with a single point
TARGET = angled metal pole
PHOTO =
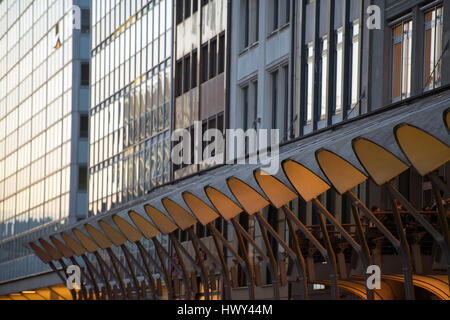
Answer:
(364, 246)
(119, 278)
(301, 269)
(160, 250)
(128, 255)
(101, 264)
(444, 226)
(408, 268)
(330, 259)
(302, 276)
(271, 264)
(331, 254)
(243, 263)
(149, 274)
(401, 250)
(92, 272)
(363, 256)
(220, 264)
(438, 237)
(199, 266)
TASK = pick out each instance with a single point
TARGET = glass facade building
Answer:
(131, 100)
(44, 102)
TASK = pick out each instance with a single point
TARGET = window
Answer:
(433, 48)
(187, 74)
(339, 74)
(324, 79)
(250, 22)
(179, 78)
(85, 20)
(85, 73)
(281, 13)
(204, 63)
(221, 53)
(213, 59)
(250, 105)
(401, 62)
(187, 8)
(280, 99)
(180, 4)
(194, 70)
(82, 178)
(310, 84)
(84, 126)
(354, 87)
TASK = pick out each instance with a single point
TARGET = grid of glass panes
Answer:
(131, 90)
(35, 114)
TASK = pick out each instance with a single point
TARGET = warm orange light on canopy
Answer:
(224, 205)
(278, 193)
(204, 213)
(343, 175)
(307, 184)
(381, 165)
(251, 200)
(425, 152)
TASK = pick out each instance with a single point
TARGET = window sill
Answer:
(248, 48)
(278, 30)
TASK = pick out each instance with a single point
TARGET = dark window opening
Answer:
(178, 78)
(222, 53)
(179, 11)
(213, 59)
(82, 178)
(187, 8)
(187, 74)
(85, 20)
(204, 63)
(85, 74)
(194, 69)
(84, 126)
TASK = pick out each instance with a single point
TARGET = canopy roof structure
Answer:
(379, 146)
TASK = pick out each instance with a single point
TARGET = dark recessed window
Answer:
(204, 63)
(187, 74)
(179, 78)
(213, 59)
(84, 126)
(194, 69)
(85, 21)
(222, 53)
(82, 178)
(85, 74)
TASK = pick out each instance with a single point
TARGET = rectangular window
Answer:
(339, 75)
(221, 53)
(355, 65)
(324, 80)
(82, 178)
(275, 13)
(85, 20)
(401, 62)
(213, 59)
(250, 11)
(187, 8)
(310, 85)
(178, 78)
(194, 69)
(180, 4)
(84, 126)
(433, 48)
(204, 63)
(187, 74)
(85, 73)
(274, 77)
